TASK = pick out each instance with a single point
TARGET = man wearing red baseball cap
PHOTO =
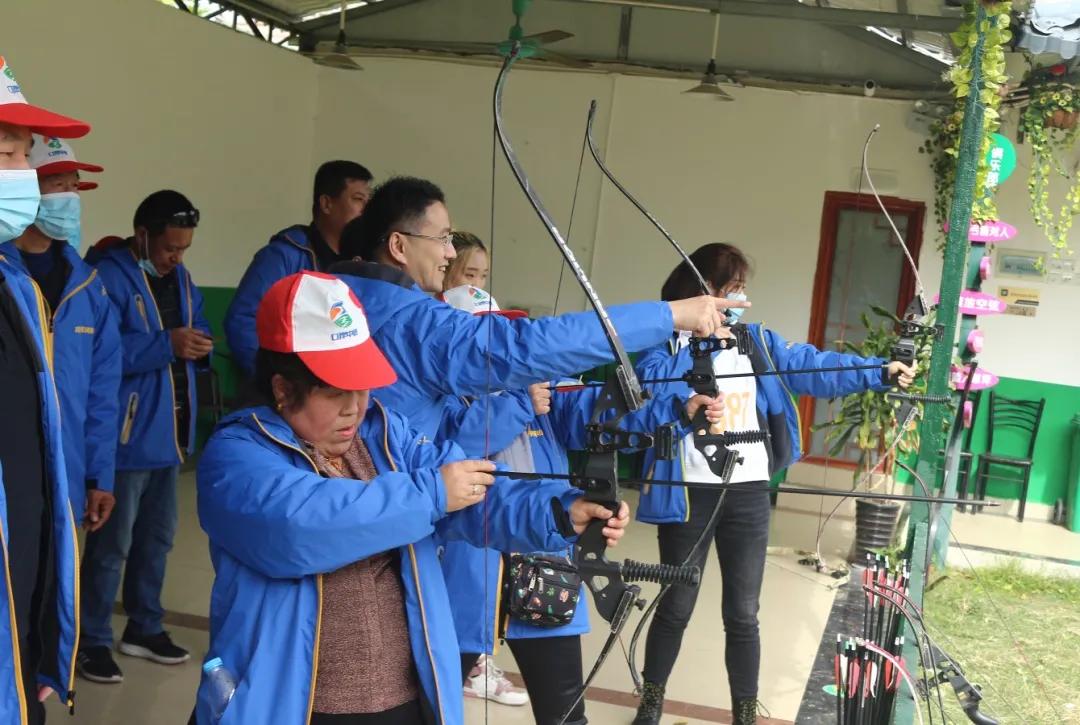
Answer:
(86, 339)
(39, 630)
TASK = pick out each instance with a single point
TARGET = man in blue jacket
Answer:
(38, 616)
(164, 337)
(86, 341)
(342, 189)
(405, 234)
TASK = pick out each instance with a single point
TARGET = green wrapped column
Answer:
(952, 280)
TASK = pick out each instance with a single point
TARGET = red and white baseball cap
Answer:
(318, 317)
(476, 301)
(50, 155)
(15, 110)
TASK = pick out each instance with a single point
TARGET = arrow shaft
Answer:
(738, 487)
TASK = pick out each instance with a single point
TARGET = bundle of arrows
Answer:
(868, 668)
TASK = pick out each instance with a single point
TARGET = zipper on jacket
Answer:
(78, 622)
(318, 577)
(47, 337)
(129, 418)
(141, 307)
(15, 654)
(68, 296)
(416, 573)
(172, 385)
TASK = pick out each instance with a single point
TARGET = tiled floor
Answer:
(794, 608)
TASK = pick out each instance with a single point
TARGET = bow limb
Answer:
(613, 595)
(637, 204)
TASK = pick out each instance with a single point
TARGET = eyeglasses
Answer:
(186, 219)
(447, 239)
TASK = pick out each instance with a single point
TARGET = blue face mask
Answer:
(735, 313)
(144, 261)
(19, 197)
(60, 216)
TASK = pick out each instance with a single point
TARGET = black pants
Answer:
(741, 537)
(407, 714)
(551, 669)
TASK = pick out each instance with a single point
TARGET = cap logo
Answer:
(54, 143)
(339, 316)
(10, 75)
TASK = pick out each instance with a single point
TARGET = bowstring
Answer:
(487, 422)
(843, 333)
(569, 226)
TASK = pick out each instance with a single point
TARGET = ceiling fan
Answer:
(532, 46)
(339, 56)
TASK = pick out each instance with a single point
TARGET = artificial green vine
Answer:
(1049, 124)
(943, 146)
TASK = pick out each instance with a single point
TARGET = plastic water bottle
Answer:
(222, 686)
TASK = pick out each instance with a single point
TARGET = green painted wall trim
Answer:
(1050, 473)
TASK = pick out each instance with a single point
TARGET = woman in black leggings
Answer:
(741, 533)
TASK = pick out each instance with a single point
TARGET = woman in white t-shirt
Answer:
(741, 532)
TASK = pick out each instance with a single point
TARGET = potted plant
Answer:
(1049, 124)
(871, 422)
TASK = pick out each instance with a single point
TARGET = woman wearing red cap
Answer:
(329, 605)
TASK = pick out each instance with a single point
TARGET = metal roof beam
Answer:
(798, 11)
(331, 20)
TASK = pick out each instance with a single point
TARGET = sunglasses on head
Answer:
(185, 219)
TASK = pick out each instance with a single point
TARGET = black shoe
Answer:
(745, 711)
(96, 664)
(651, 706)
(154, 647)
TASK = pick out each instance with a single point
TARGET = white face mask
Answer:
(735, 313)
(19, 200)
(59, 217)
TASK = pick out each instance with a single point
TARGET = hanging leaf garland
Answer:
(1049, 124)
(943, 145)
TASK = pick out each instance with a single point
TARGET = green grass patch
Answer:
(1015, 633)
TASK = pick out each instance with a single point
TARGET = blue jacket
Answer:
(12, 695)
(438, 350)
(777, 409)
(86, 364)
(474, 575)
(275, 526)
(148, 436)
(288, 252)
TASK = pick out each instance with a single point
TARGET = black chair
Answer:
(208, 393)
(1021, 415)
(966, 456)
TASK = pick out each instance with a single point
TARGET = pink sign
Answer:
(990, 232)
(977, 303)
(975, 341)
(983, 378)
(985, 267)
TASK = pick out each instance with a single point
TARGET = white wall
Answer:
(241, 126)
(175, 102)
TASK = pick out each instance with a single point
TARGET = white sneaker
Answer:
(488, 681)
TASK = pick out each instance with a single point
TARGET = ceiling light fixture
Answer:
(339, 57)
(710, 85)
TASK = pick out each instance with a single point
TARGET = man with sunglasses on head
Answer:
(164, 336)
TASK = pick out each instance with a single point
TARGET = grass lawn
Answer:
(1028, 665)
